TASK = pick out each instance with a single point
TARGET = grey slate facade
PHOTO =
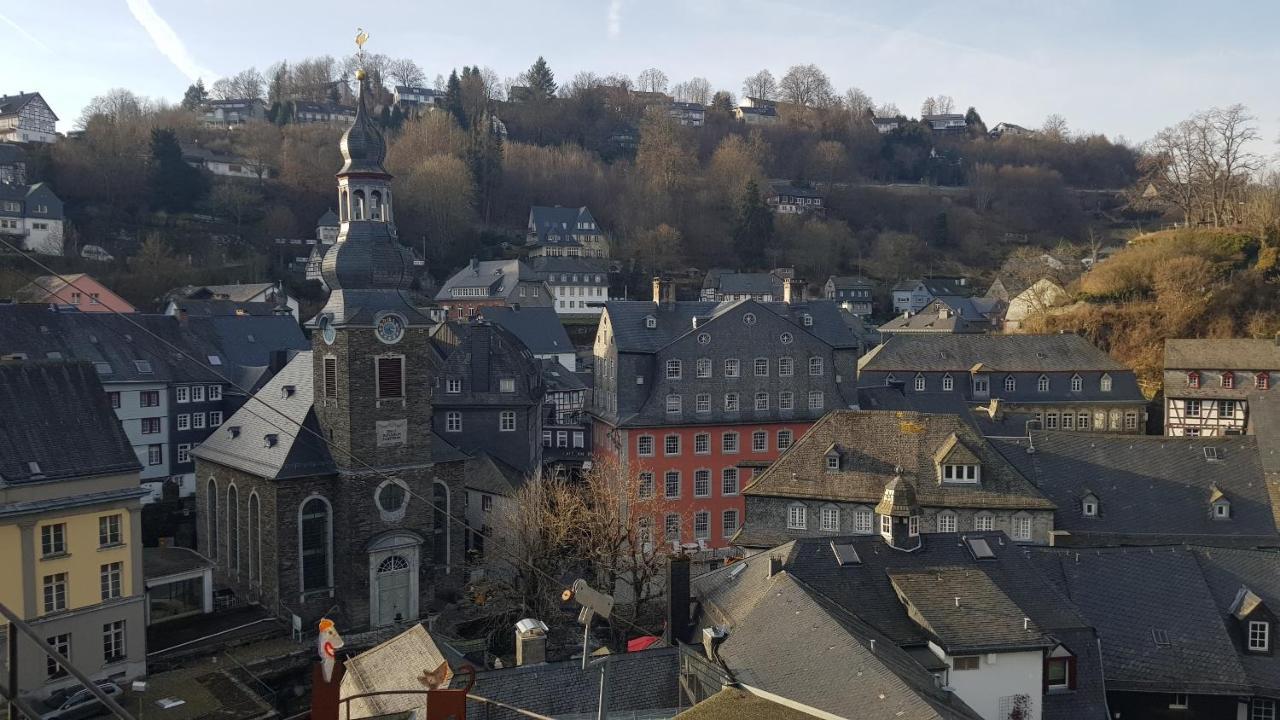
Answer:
(1063, 380)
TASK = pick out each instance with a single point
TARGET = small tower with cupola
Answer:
(373, 366)
(899, 513)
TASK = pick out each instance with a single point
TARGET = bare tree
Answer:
(696, 90)
(761, 86)
(888, 110)
(806, 85)
(117, 104)
(622, 81)
(1203, 165)
(651, 80)
(929, 106)
(492, 84)
(857, 103)
(945, 104)
(1055, 127)
(244, 84)
(403, 71)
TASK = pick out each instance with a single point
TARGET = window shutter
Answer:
(390, 377)
(331, 377)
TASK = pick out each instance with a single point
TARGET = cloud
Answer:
(23, 32)
(615, 18)
(167, 41)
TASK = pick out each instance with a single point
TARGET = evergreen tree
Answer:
(195, 96)
(541, 81)
(175, 185)
(753, 228)
(484, 158)
(974, 122)
(453, 99)
(397, 118)
(722, 102)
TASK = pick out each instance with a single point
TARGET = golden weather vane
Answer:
(362, 37)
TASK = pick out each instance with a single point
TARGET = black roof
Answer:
(1012, 353)
(56, 423)
(10, 104)
(539, 328)
(1130, 475)
(628, 319)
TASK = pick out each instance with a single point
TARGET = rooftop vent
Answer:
(34, 468)
(270, 440)
(287, 391)
(215, 360)
(234, 431)
(845, 554)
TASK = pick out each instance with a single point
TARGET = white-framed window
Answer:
(1077, 384)
(645, 485)
(1089, 506)
(215, 418)
(702, 402)
(1010, 384)
(784, 439)
(182, 394)
(702, 444)
(55, 592)
(1021, 527)
(762, 401)
(184, 421)
(786, 366)
(644, 446)
(833, 461)
(155, 455)
(674, 405)
(815, 400)
(197, 393)
(702, 483)
(829, 518)
(886, 526)
(1180, 701)
(815, 366)
(1192, 408)
(1262, 709)
(671, 526)
(1105, 383)
(786, 400)
(1131, 420)
(506, 385)
(728, 523)
(1259, 635)
(671, 484)
(984, 521)
(732, 368)
(729, 481)
(53, 539)
(453, 386)
(507, 421)
(671, 444)
(110, 577)
(797, 517)
(863, 520)
(109, 530)
(731, 402)
(946, 522)
(761, 367)
(1226, 408)
(150, 425)
(1051, 420)
(919, 383)
(729, 442)
(913, 525)
(760, 441)
(948, 383)
(1042, 384)
(453, 421)
(184, 453)
(960, 473)
(702, 525)
(981, 385)
(197, 421)
(703, 367)
(215, 393)
(61, 643)
(673, 370)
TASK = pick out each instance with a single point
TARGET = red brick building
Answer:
(690, 397)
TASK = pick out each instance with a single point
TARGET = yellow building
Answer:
(70, 526)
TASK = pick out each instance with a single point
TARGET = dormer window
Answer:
(1089, 506)
(1262, 380)
(650, 322)
(1105, 383)
(1077, 384)
(1059, 670)
(960, 473)
(1222, 509)
(833, 461)
(1228, 380)
(1193, 380)
(1259, 636)
(1042, 384)
(919, 384)
(1010, 384)
(948, 384)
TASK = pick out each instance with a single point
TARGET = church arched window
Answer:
(211, 517)
(233, 529)
(343, 211)
(255, 537)
(315, 543)
(375, 205)
(357, 205)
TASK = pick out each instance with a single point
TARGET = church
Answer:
(328, 493)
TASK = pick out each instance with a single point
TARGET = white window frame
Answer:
(786, 400)
(702, 483)
(797, 517)
(674, 404)
(1018, 524)
(919, 383)
(674, 370)
(453, 421)
(197, 393)
(641, 442)
(786, 366)
(507, 421)
(815, 366)
(184, 421)
(829, 518)
(453, 386)
(702, 403)
(182, 394)
(1259, 636)
(948, 383)
(671, 444)
(816, 400)
(947, 522)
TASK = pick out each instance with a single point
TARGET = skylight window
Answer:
(980, 548)
(144, 366)
(1161, 638)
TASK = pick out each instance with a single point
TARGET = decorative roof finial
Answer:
(362, 37)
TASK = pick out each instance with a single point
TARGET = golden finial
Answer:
(362, 37)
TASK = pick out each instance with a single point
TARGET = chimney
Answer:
(531, 642)
(712, 638)
(792, 290)
(775, 565)
(664, 291)
(474, 265)
(677, 598)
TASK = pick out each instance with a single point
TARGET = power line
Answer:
(556, 582)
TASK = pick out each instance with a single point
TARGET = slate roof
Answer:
(248, 340)
(1133, 474)
(544, 266)
(56, 416)
(639, 681)
(790, 639)
(850, 282)
(1009, 581)
(557, 377)
(328, 219)
(985, 618)
(755, 283)
(239, 292)
(936, 286)
(539, 328)
(12, 104)
(225, 308)
(1130, 595)
(110, 339)
(558, 225)
(627, 318)
(786, 188)
(997, 353)
(893, 397)
(736, 704)
(160, 562)
(1239, 354)
(240, 442)
(875, 445)
(938, 316)
(29, 196)
(500, 277)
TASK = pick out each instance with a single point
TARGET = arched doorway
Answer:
(393, 579)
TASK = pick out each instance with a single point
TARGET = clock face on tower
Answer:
(389, 328)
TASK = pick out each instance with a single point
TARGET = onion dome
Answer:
(363, 147)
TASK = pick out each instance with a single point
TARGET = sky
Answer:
(1125, 68)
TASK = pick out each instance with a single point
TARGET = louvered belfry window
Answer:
(390, 377)
(331, 377)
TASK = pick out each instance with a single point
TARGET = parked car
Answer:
(82, 704)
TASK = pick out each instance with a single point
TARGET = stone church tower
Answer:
(355, 526)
